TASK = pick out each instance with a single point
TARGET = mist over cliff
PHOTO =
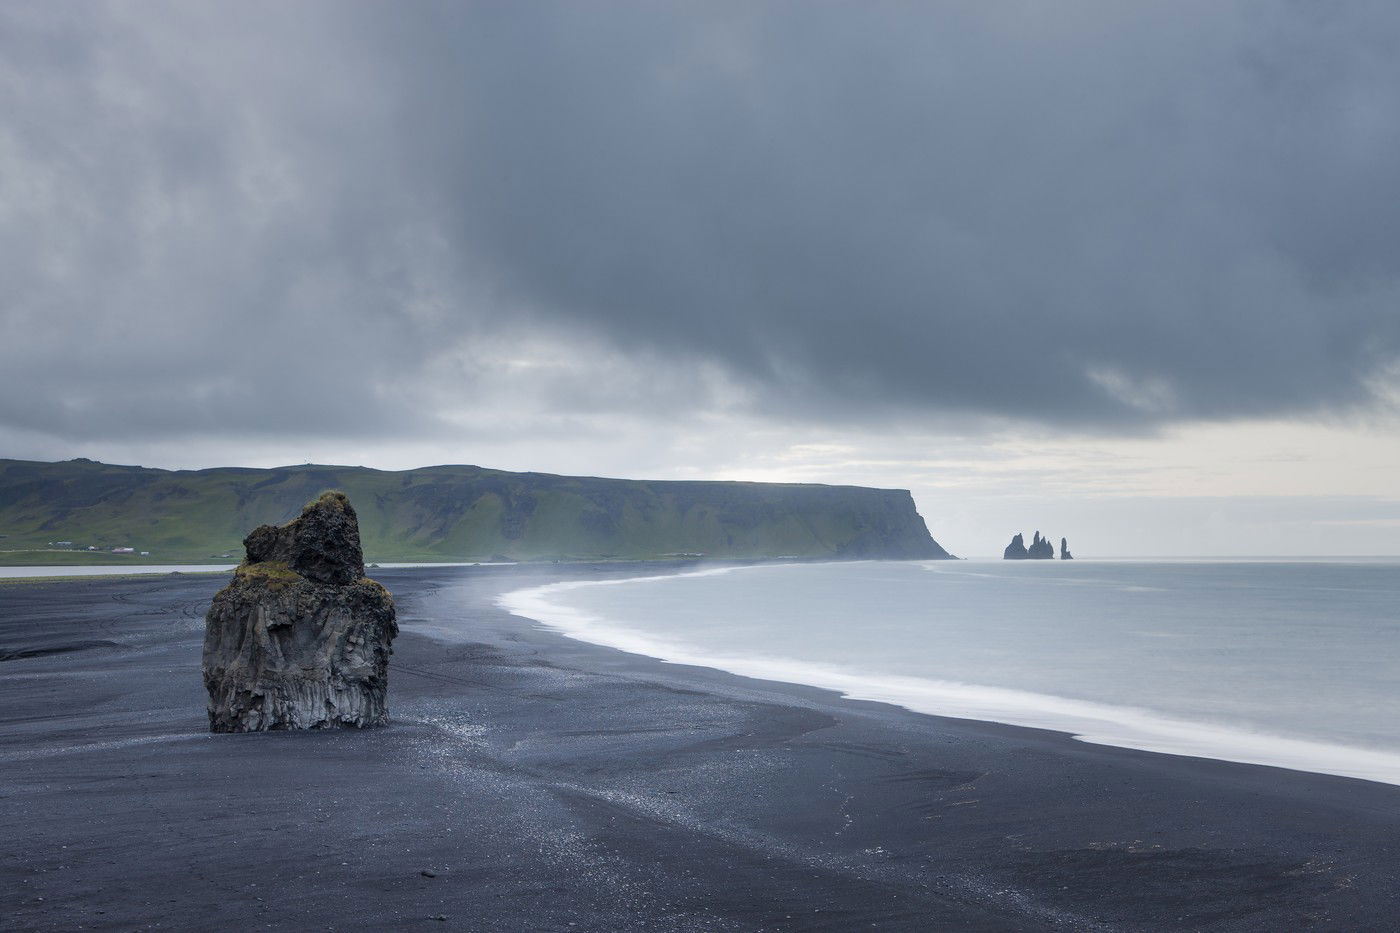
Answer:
(447, 513)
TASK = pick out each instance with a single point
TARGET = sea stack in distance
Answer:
(301, 638)
(1064, 550)
(1040, 549)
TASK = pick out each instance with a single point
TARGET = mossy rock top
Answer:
(322, 544)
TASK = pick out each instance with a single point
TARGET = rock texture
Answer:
(1064, 550)
(1016, 550)
(1040, 549)
(301, 638)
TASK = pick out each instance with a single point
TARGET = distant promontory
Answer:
(81, 511)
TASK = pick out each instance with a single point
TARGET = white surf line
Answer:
(1095, 723)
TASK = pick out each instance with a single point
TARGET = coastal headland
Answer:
(530, 782)
(84, 512)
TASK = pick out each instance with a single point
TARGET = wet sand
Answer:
(530, 782)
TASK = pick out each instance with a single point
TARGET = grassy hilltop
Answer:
(444, 513)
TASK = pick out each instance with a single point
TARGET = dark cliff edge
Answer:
(446, 513)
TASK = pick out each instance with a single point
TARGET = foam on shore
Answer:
(1102, 724)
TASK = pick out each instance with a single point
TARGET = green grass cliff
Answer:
(445, 513)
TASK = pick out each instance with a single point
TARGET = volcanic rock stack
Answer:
(1040, 549)
(301, 638)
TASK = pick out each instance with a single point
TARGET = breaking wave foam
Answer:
(1096, 723)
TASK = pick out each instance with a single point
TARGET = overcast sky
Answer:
(1124, 272)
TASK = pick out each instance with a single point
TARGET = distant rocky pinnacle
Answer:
(301, 638)
(1040, 549)
(1064, 550)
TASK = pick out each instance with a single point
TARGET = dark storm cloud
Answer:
(282, 216)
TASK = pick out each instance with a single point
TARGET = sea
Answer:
(1288, 663)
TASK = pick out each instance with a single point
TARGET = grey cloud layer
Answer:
(280, 216)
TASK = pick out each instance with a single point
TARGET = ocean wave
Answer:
(1087, 721)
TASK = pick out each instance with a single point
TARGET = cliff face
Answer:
(455, 513)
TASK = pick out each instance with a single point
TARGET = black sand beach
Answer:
(530, 782)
